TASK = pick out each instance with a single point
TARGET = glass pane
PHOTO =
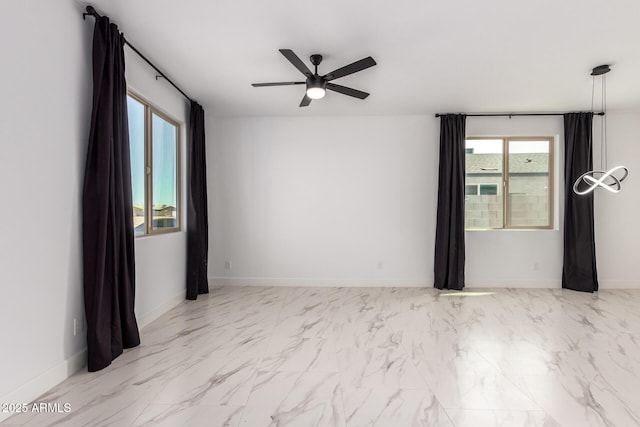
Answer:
(136, 149)
(529, 183)
(470, 190)
(488, 189)
(164, 147)
(483, 207)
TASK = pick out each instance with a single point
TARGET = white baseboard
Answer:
(30, 391)
(524, 284)
(146, 318)
(618, 284)
(220, 281)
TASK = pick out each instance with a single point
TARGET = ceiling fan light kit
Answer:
(316, 88)
(316, 84)
(605, 178)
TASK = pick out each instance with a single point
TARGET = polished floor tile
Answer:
(190, 415)
(271, 356)
(387, 407)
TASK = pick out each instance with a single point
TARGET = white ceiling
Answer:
(433, 56)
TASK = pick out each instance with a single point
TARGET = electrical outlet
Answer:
(380, 265)
(536, 266)
(78, 325)
(227, 265)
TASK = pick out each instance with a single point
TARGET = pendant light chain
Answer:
(593, 91)
(604, 149)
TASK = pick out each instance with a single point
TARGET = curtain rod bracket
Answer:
(91, 11)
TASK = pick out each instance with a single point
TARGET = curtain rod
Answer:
(600, 113)
(91, 11)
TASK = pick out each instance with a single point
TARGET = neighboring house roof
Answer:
(518, 163)
(166, 209)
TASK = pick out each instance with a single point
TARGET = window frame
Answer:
(506, 218)
(149, 111)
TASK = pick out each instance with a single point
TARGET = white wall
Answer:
(321, 201)
(44, 112)
(45, 109)
(306, 201)
(617, 215)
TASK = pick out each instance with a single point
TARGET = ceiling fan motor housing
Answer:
(316, 81)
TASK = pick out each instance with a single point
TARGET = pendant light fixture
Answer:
(607, 179)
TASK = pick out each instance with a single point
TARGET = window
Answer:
(480, 189)
(471, 190)
(522, 197)
(488, 189)
(154, 146)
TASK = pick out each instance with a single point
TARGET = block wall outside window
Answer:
(521, 198)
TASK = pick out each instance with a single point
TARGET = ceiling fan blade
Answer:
(351, 68)
(276, 84)
(297, 62)
(305, 101)
(347, 91)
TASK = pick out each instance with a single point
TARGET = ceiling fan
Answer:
(317, 84)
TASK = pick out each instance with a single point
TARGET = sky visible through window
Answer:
(164, 157)
(136, 145)
(164, 162)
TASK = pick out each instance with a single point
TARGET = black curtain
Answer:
(197, 220)
(108, 251)
(449, 257)
(579, 260)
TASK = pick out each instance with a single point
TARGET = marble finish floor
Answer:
(371, 357)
